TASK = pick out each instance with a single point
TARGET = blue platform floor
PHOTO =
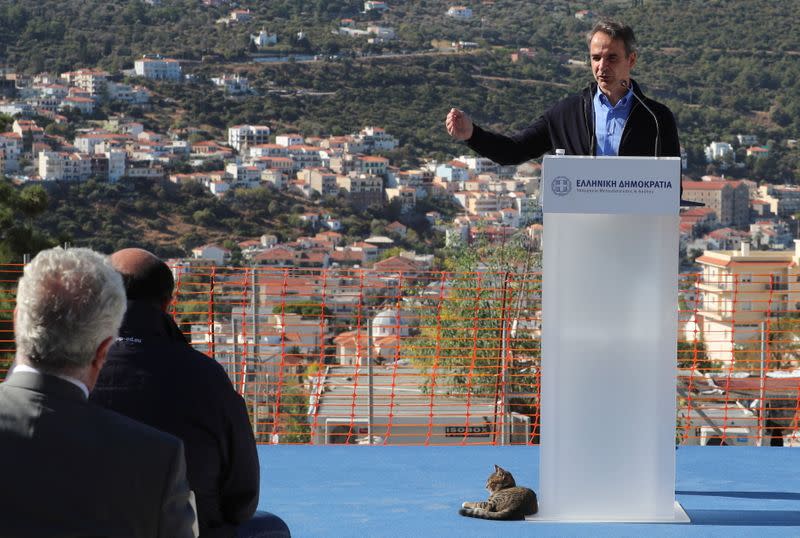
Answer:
(416, 491)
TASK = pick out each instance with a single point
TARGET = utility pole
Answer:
(761, 384)
(370, 395)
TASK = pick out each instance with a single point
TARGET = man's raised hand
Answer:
(459, 124)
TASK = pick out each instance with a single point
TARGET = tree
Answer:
(471, 341)
(292, 410)
(782, 343)
(18, 208)
(693, 355)
(307, 310)
(6, 122)
(194, 297)
(18, 237)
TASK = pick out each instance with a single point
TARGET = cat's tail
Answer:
(503, 515)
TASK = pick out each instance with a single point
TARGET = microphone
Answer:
(624, 84)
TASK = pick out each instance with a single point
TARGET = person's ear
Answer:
(98, 361)
(100, 355)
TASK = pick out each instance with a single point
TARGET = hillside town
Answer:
(498, 200)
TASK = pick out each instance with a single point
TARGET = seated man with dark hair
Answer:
(153, 375)
(71, 468)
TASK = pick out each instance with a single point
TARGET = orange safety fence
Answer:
(361, 356)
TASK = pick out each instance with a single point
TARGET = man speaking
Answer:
(610, 117)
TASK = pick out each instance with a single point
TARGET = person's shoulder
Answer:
(124, 430)
(571, 100)
(197, 363)
(202, 361)
(570, 104)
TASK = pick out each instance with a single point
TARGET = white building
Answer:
(218, 188)
(376, 139)
(375, 6)
(454, 171)
(85, 105)
(528, 208)
(92, 81)
(244, 175)
(59, 166)
(391, 321)
(87, 142)
(381, 33)
(747, 139)
(240, 136)
(719, 151)
(480, 165)
(213, 253)
(460, 12)
(264, 38)
(125, 93)
(117, 161)
(286, 140)
(240, 15)
(233, 84)
(10, 149)
(783, 200)
(158, 68)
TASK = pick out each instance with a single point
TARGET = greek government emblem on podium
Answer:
(561, 185)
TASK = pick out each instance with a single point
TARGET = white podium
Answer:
(609, 339)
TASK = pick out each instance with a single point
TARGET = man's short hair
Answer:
(615, 30)
(68, 302)
(154, 283)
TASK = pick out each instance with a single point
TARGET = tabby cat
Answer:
(506, 501)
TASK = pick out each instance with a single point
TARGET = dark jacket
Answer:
(569, 125)
(73, 469)
(154, 376)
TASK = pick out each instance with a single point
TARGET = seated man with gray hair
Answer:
(72, 468)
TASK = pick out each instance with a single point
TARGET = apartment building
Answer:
(241, 136)
(741, 289)
(730, 200)
(158, 68)
(407, 196)
(92, 81)
(375, 138)
(59, 166)
(320, 180)
(364, 189)
(304, 156)
(10, 150)
(290, 139)
(361, 164)
(783, 200)
(233, 84)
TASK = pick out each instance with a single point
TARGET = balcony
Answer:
(715, 287)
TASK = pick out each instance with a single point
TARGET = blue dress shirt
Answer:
(609, 121)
